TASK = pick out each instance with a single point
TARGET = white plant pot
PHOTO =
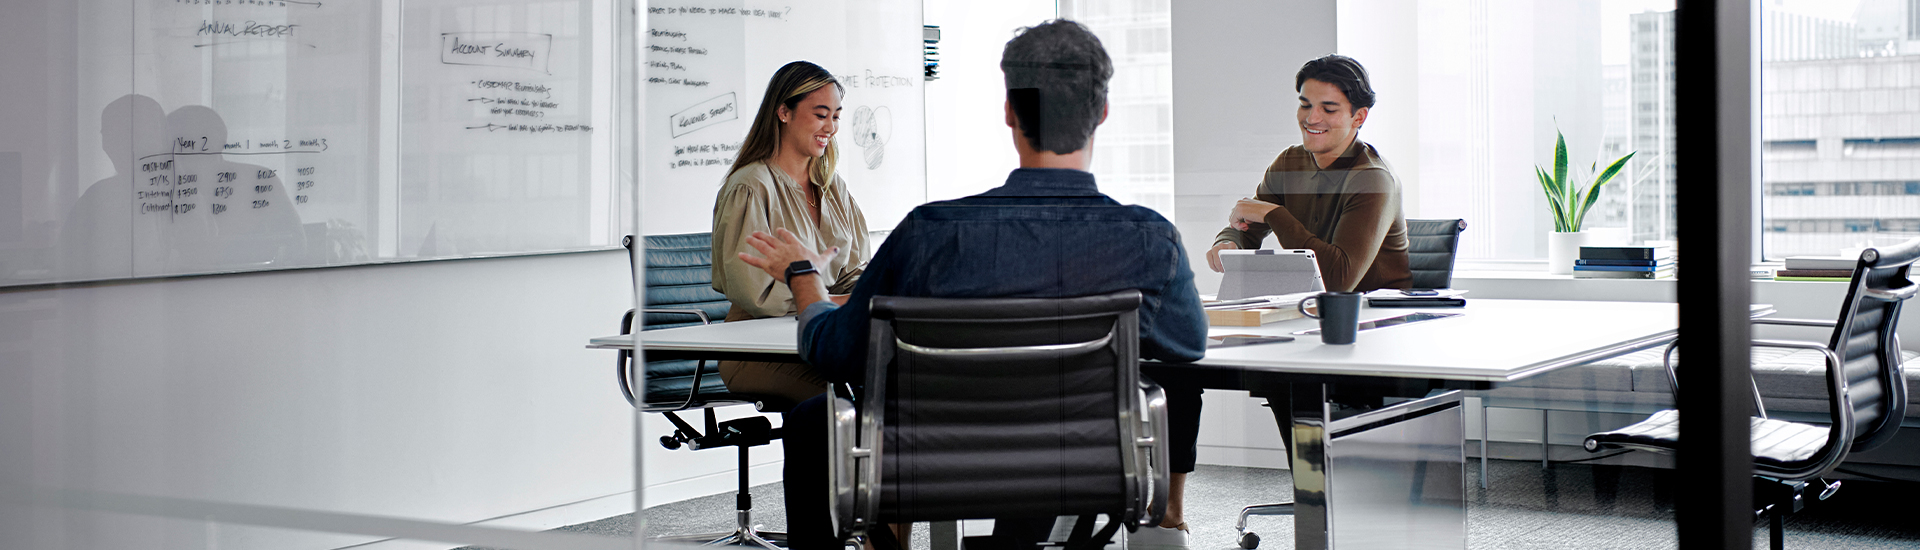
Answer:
(1563, 249)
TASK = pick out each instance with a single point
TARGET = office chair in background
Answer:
(1014, 407)
(679, 292)
(1866, 392)
(1431, 247)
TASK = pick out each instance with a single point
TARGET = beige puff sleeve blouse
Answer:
(758, 197)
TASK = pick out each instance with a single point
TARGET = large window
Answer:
(1472, 95)
(1840, 115)
(1840, 102)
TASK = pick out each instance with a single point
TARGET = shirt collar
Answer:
(1047, 182)
(1347, 160)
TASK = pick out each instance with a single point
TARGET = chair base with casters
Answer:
(744, 433)
(1865, 386)
(1248, 539)
(678, 293)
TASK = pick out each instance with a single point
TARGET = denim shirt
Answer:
(1047, 233)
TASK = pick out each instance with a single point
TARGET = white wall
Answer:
(447, 392)
(1233, 104)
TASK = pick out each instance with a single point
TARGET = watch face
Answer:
(799, 267)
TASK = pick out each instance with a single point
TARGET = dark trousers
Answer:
(809, 524)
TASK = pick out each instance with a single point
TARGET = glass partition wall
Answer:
(441, 404)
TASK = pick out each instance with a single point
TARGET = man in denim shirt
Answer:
(1047, 233)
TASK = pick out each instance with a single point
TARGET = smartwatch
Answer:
(802, 267)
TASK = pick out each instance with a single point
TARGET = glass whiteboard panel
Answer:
(188, 137)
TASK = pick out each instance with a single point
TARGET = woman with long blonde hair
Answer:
(784, 178)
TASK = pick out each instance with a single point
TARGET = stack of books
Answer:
(1817, 268)
(1624, 262)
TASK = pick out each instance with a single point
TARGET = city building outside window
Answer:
(1840, 120)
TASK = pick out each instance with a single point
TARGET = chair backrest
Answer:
(1431, 246)
(1016, 407)
(679, 276)
(1868, 347)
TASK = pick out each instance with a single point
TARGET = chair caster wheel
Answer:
(1249, 541)
(669, 442)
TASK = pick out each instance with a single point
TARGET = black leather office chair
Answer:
(1018, 407)
(679, 292)
(1866, 392)
(1431, 247)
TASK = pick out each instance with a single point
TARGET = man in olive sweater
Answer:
(1332, 193)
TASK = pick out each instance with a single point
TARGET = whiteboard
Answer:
(187, 137)
(707, 65)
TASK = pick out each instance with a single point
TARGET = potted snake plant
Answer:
(1569, 202)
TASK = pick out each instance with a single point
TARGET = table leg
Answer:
(1486, 433)
(1309, 453)
(1372, 476)
(1546, 417)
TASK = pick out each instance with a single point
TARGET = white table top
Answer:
(774, 335)
(1495, 341)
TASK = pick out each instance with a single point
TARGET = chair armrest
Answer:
(680, 311)
(623, 363)
(1840, 404)
(853, 471)
(1793, 322)
(1673, 381)
(1759, 404)
(625, 358)
(1153, 451)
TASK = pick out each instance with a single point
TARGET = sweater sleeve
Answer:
(1173, 327)
(1267, 191)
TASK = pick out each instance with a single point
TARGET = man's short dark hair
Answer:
(1343, 73)
(1057, 75)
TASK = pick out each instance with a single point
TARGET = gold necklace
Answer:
(811, 203)
(804, 195)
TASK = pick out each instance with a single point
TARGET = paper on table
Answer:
(1277, 301)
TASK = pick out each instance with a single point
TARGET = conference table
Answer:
(1378, 452)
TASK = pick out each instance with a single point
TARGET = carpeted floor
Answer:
(1569, 506)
